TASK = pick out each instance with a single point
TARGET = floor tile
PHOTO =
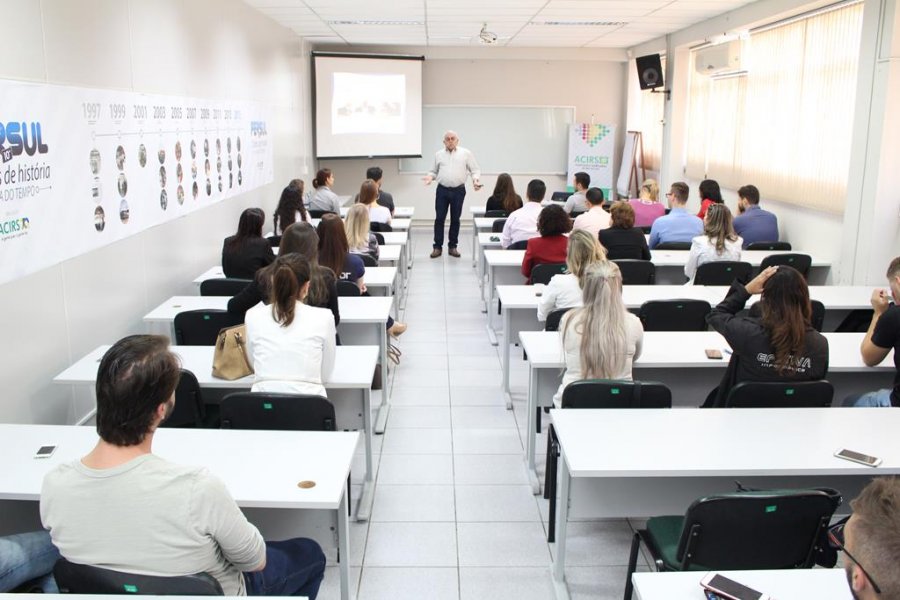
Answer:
(590, 583)
(464, 363)
(495, 503)
(476, 378)
(421, 417)
(417, 441)
(409, 583)
(414, 469)
(411, 545)
(402, 503)
(422, 362)
(597, 543)
(476, 396)
(422, 378)
(482, 417)
(331, 584)
(502, 545)
(407, 395)
(500, 469)
(509, 583)
(486, 441)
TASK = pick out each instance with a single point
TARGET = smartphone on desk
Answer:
(713, 354)
(858, 457)
(720, 587)
(494, 238)
(45, 452)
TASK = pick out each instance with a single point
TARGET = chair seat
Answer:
(663, 534)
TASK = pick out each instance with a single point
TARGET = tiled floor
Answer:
(453, 516)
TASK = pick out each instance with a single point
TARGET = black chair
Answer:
(768, 246)
(778, 394)
(673, 246)
(723, 272)
(544, 272)
(598, 393)
(646, 229)
(223, 287)
(274, 240)
(380, 227)
(378, 238)
(520, 245)
(278, 412)
(801, 262)
(776, 529)
(348, 288)
(318, 214)
(817, 317)
(73, 578)
(553, 319)
(497, 225)
(368, 260)
(201, 327)
(576, 213)
(674, 315)
(189, 409)
(495, 214)
(636, 272)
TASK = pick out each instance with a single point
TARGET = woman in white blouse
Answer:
(290, 345)
(564, 290)
(601, 339)
(324, 198)
(368, 197)
(718, 242)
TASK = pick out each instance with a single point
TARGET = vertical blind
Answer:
(784, 124)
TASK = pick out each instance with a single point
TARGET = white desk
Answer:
(396, 224)
(113, 597)
(641, 463)
(400, 212)
(480, 225)
(390, 255)
(678, 359)
(349, 389)
(381, 281)
(787, 584)
(264, 488)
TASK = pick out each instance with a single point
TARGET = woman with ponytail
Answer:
(324, 198)
(290, 345)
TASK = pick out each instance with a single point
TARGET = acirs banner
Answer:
(591, 149)
(81, 168)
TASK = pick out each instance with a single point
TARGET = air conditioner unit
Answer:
(721, 58)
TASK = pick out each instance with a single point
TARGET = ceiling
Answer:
(522, 23)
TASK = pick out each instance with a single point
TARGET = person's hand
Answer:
(881, 299)
(477, 185)
(756, 284)
(428, 179)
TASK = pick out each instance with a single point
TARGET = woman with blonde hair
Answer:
(602, 339)
(360, 239)
(564, 290)
(718, 242)
(647, 207)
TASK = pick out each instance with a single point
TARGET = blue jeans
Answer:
(28, 557)
(293, 568)
(870, 399)
(448, 199)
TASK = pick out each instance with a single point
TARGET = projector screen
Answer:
(367, 105)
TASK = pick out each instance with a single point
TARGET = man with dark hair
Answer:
(870, 540)
(882, 336)
(679, 225)
(754, 224)
(595, 218)
(576, 202)
(123, 508)
(521, 224)
(384, 199)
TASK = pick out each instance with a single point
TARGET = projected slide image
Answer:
(368, 103)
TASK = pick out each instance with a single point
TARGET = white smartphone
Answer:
(729, 589)
(45, 452)
(858, 457)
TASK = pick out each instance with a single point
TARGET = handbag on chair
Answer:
(230, 360)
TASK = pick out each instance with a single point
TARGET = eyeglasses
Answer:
(669, 194)
(836, 539)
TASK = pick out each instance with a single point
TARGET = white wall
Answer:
(202, 48)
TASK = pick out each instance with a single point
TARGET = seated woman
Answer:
(324, 198)
(290, 345)
(551, 246)
(244, 253)
(622, 239)
(299, 238)
(601, 339)
(718, 242)
(710, 194)
(368, 197)
(781, 345)
(504, 197)
(359, 238)
(647, 207)
(565, 289)
(290, 207)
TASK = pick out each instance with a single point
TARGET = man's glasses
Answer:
(836, 539)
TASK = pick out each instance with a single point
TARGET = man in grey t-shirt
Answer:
(123, 508)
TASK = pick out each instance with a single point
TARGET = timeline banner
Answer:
(591, 150)
(81, 168)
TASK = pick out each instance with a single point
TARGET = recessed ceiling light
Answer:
(581, 23)
(344, 22)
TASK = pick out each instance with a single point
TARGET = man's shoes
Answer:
(454, 252)
(436, 252)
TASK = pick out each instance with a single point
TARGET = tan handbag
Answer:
(230, 357)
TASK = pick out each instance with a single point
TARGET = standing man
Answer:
(452, 166)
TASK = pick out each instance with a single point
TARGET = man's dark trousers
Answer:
(445, 199)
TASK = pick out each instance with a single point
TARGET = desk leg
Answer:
(562, 517)
(385, 407)
(530, 435)
(474, 241)
(482, 269)
(492, 335)
(343, 541)
(507, 332)
(364, 507)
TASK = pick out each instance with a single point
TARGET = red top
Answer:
(542, 250)
(703, 206)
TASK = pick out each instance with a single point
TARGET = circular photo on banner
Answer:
(219, 165)
(240, 179)
(240, 161)
(178, 150)
(96, 190)
(228, 145)
(207, 168)
(220, 184)
(230, 180)
(229, 163)
(179, 172)
(208, 187)
(163, 200)
(124, 212)
(180, 194)
(195, 190)
(193, 149)
(99, 219)
(120, 158)
(122, 185)
(218, 147)
(161, 155)
(142, 155)
(206, 147)
(239, 144)
(193, 170)
(95, 161)
(162, 177)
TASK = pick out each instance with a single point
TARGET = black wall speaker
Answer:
(650, 73)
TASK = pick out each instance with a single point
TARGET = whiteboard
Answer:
(519, 140)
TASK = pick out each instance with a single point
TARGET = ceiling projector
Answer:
(487, 37)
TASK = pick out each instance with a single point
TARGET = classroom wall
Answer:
(203, 48)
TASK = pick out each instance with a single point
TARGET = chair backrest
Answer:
(189, 410)
(674, 315)
(73, 578)
(775, 529)
(274, 240)
(553, 319)
(223, 286)
(544, 272)
(378, 238)
(201, 327)
(347, 288)
(817, 319)
(495, 214)
(723, 272)
(673, 246)
(636, 272)
(497, 225)
(614, 393)
(646, 229)
(801, 262)
(318, 214)
(520, 245)
(576, 213)
(769, 246)
(285, 412)
(780, 394)
(376, 226)
(368, 260)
